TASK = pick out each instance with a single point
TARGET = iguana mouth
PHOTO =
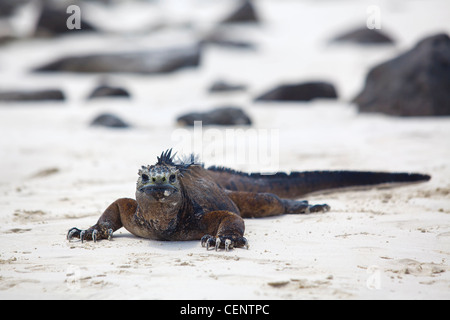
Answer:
(158, 191)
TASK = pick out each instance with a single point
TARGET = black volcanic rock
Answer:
(8, 7)
(365, 36)
(219, 38)
(109, 120)
(245, 12)
(300, 92)
(148, 62)
(223, 86)
(224, 116)
(31, 95)
(416, 83)
(109, 91)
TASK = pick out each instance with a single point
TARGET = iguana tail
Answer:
(298, 184)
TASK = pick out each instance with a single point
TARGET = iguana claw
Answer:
(94, 236)
(90, 234)
(225, 242)
(218, 244)
(71, 232)
(83, 232)
(228, 243)
(110, 234)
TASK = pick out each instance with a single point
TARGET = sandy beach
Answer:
(57, 172)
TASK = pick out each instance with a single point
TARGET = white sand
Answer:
(56, 172)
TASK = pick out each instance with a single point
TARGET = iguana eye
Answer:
(145, 177)
(172, 178)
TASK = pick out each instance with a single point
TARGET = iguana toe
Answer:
(228, 243)
(318, 208)
(73, 233)
(94, 235)
(110, 234)
(89, 234)
(82, 234)
(208, 241)
(224, 242)
(218, 244)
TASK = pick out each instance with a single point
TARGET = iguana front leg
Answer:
(224, 229)
(115, 216)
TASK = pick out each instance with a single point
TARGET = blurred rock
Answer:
(225, 116)
(300, 92)
(365, 36)
(149, 62)
(416, 83)
(32, 95)
(223, 86)
(8, 7)
(109, 120)
(53, 21)
(108, 91)
(245, 12)
(222, 39)
(5, 39)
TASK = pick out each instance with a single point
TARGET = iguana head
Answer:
(159, 182)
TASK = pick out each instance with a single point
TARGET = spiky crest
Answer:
(166, 158)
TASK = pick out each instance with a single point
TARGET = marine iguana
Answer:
(183, 200)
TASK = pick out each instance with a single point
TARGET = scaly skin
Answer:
(185, 201)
